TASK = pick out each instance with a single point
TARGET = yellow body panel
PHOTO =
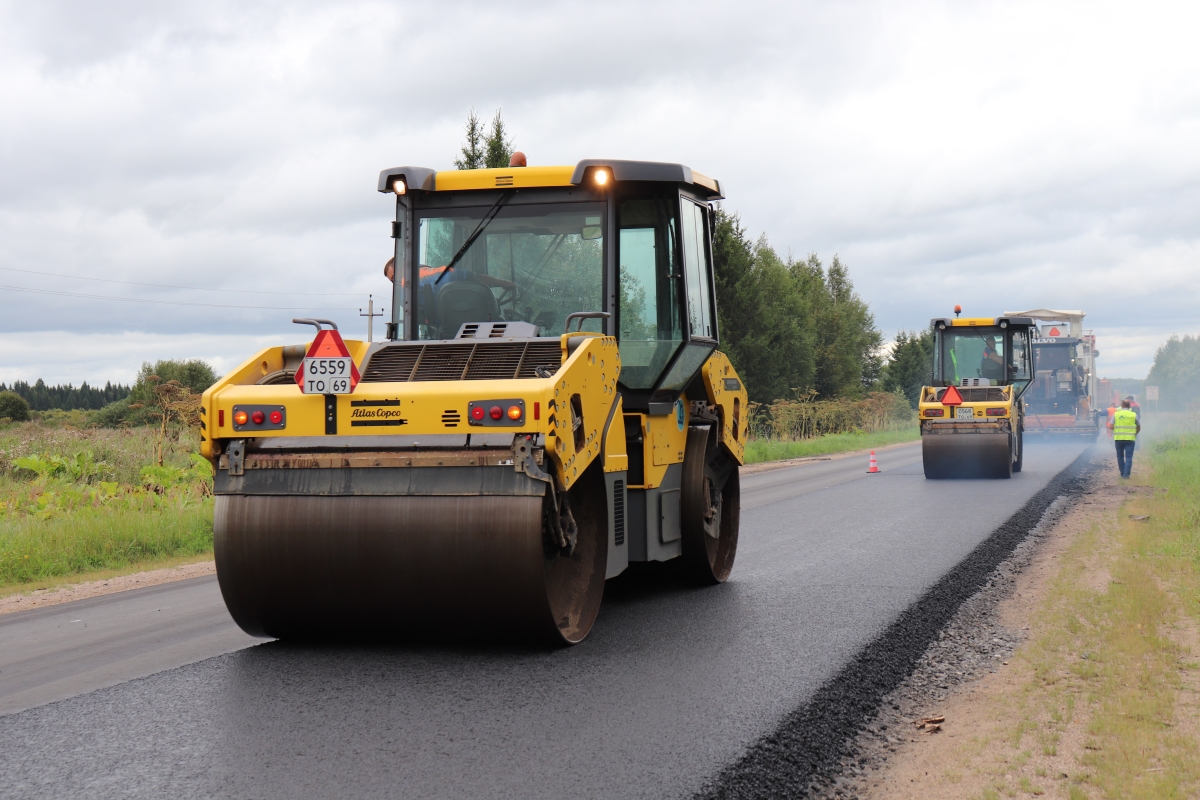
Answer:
(589, 373)
(928, 393)
(589, 378)
(663, 431)
(730, 402)
(518, 177)
(972, 322)
(616, 453)
(668, 435)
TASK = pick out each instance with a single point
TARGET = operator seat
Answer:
(465, 301)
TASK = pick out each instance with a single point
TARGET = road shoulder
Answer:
(767, 466)
(41, 598)
(1017, 698)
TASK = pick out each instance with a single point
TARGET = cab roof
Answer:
(981, 322)
(429, 180)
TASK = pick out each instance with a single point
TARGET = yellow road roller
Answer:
(549, 406)
(972, 421)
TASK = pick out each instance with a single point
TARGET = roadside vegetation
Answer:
(1176, 372)
(1107, 698)
(762, 450)
(77, 497)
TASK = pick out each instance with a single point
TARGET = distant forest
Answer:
(88, 398)
(1176, 371)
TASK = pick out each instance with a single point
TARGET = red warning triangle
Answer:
(951, 397)
(1055, 332)
(328, 344)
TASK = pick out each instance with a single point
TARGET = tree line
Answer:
(42, 397)
(1176, 373)
(792, 327)
(116, 405)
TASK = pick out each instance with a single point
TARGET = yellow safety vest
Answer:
(1124, 425)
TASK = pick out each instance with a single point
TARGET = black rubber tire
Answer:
(709, 558)
(1019, 464)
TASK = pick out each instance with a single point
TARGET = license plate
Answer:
(967, 414)
(327, 375)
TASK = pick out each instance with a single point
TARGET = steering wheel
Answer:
(508, 296)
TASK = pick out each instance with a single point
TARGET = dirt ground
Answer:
(120, 583)
(901, 758)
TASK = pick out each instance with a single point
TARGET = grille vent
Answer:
(488, 330)
(980, 395)
(618, 513)
(451, 418)
(471, 361)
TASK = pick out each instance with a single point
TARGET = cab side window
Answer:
(697, 269)
(1018, 364)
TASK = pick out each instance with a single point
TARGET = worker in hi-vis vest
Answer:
(1125, 428)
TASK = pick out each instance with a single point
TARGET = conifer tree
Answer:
(498, 148)
(474, 151)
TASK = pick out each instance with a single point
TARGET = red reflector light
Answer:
(477, 413)
(496, 412)
(997, 412)
(934, 412)
(276, 417)
(514, 412)
(258, 417)
(240, 417)
(221, 418)
(537, 410)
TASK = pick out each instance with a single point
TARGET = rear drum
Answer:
(967, 455)
(456, 567)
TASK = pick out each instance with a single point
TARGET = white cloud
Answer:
(67, 357)
(989, 154)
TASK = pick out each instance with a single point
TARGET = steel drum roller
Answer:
(973, 455)
(402, 566)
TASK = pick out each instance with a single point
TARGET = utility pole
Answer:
(370, 315)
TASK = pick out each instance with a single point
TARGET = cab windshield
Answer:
(973, 353)
(535, 263)
(1055, 357)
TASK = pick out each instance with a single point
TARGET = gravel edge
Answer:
(816, 749)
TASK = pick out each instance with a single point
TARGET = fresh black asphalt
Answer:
(678, 691)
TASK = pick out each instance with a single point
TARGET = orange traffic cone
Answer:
(874, 466)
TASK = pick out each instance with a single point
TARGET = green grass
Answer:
(34, 550)
(123, 452)
(102, 517)
(1108, 661)
(760, 450)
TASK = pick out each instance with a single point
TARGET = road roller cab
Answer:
(549, 406)
(971, 418)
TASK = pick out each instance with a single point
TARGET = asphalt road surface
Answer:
(673, 683)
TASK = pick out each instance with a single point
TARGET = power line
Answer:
(172, 286)
(168, 302)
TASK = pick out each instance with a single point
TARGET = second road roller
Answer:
(972, 420)
(549, 406)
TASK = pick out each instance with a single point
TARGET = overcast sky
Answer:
(998, 155)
